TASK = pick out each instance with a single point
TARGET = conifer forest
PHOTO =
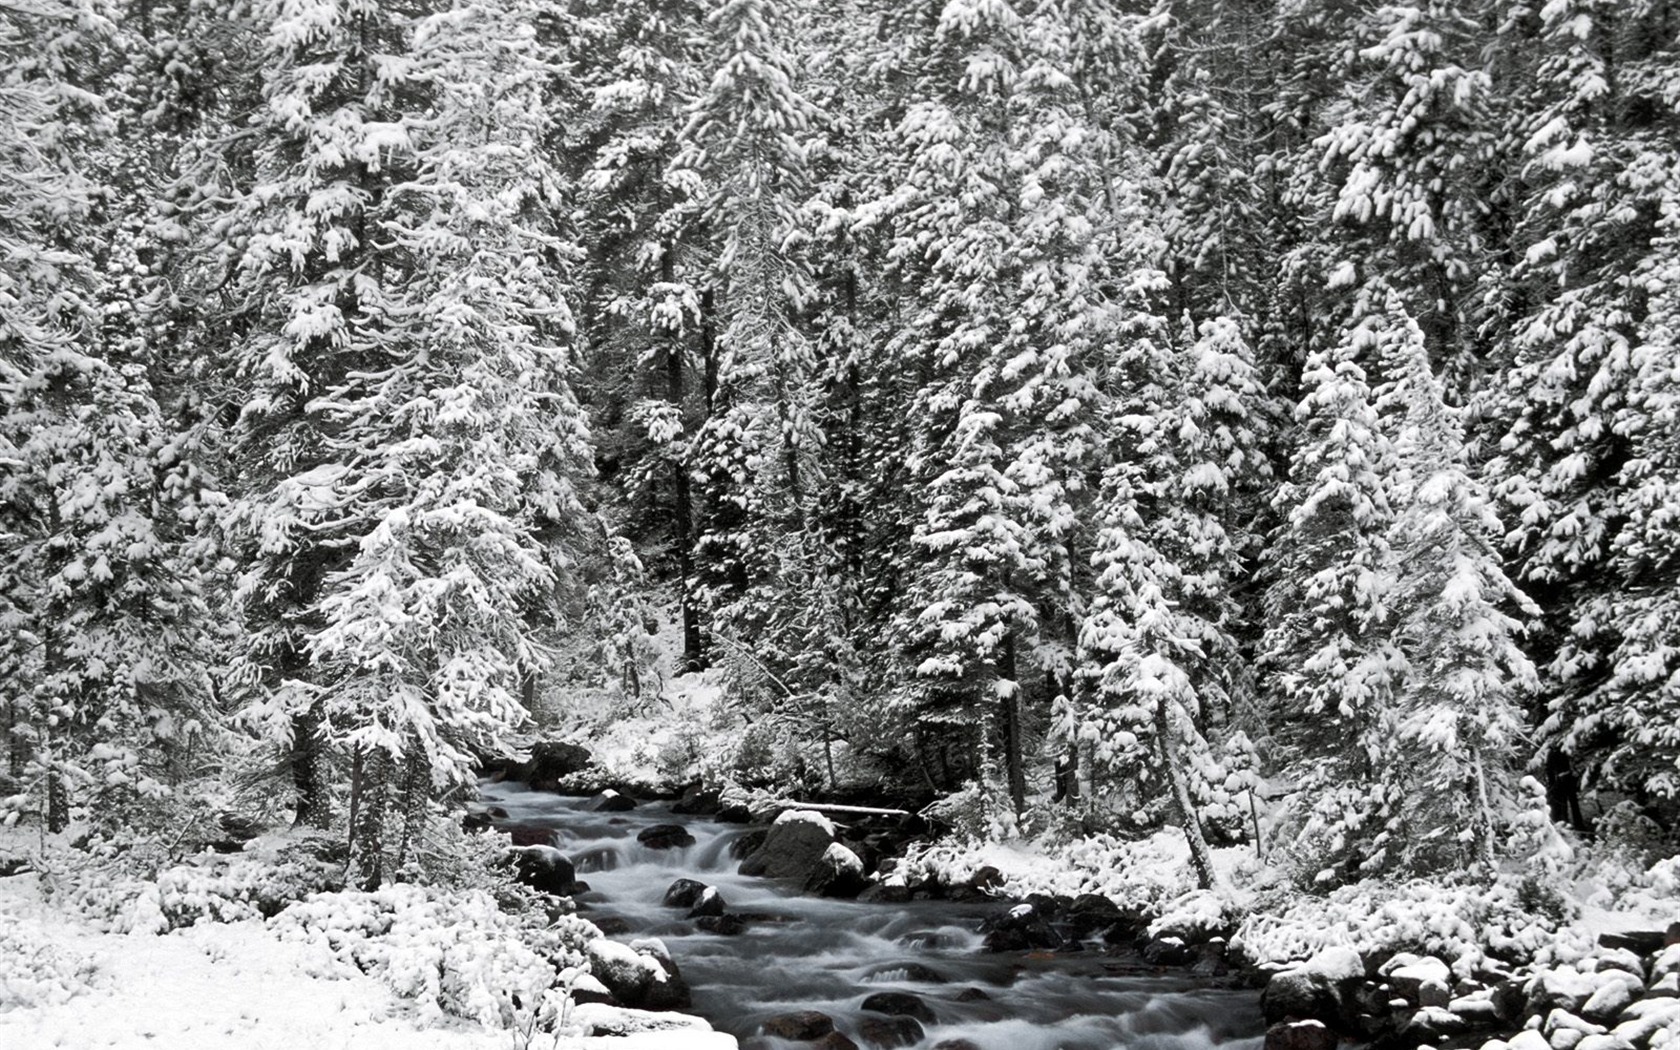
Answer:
(1253, 424)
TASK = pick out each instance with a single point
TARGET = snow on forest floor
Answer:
(64, 983)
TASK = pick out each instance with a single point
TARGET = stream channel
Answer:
(809, 953)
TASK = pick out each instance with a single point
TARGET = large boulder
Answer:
(683, 893)
(709, 904)
(543, 868)
(640, 975)
(793, 848)
(552, 761)
(839, 873)
(1021, 928)
(1323, 988)
(665, 836)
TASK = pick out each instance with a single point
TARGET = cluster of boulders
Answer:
(804, 847)
(889, 1020)
(640, 975)
(1624, 996)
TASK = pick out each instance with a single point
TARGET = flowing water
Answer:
(804, 953)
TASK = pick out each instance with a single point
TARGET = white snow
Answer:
(1337, 964)
(268, 986)
(807, 816)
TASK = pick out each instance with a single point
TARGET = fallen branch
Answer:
(835, 808)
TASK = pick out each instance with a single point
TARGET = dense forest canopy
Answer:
(1112, 408)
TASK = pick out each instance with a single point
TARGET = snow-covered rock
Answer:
(839, 873)
(639, 975)
(1426, 982)
(793, 848)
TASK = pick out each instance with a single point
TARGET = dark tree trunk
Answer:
(676, 392)
(367, 832)
(314, 809)
(58, 802)
(416, 796)
(1009, 725)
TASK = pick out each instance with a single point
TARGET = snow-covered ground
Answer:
(214, 986)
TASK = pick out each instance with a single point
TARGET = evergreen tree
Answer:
(411, 442)
(1458, 726)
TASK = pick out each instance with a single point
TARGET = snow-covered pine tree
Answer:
(1328, 652)
(646, 319)
(747, 139)
(1596, 126)
(411, 442)
(1628, 721)
(100, 606)
(1458, 719)
(1169, 694)
(1001, 229)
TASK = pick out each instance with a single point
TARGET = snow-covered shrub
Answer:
(452, 952)
(239, 887)
(1460, 922)
(36, 972)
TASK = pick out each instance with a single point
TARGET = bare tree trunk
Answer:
(676, 392)
(1201, 858)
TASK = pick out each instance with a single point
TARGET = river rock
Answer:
(972, 995)
(1426, 982)
(1608, 1002)
(683, 893)
(884, 893)
(1621, 959)
(1210, 959)
(543, 868)
(1019, 929)
(800, 1026)
(610, 801)
(640, 975)
(1300, 1035)
(910, 971)
(696, 801)
(839, 873)
(899, 1004)
(1168, 951)
(722, 925)
(1640, 942)
(528, 835)
(1320, 989)
(552, 761)
(956, 1044)
(599, 1019)
(888, 1033)
(793, 848)
(665, 836)
(709, 904)
(1432, 1024)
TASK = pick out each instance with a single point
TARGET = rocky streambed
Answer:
(758, 932)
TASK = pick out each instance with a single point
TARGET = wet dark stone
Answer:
(956, 1044)
(801, 1026)
(529, 835)
(888, 1033)
(1210, 960)
(793, 849)
(835, 1041)
(882, 893)
(972, 995)
(543, 868)
(612, 925)
(724, 925)
(709, 904)
(665, 836)
(683, 893)
(610, 801)
(695, 801)
(1019, 929)
(899, 1004)
(1168, 951)
(1641, 942)
(1300, 1035)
